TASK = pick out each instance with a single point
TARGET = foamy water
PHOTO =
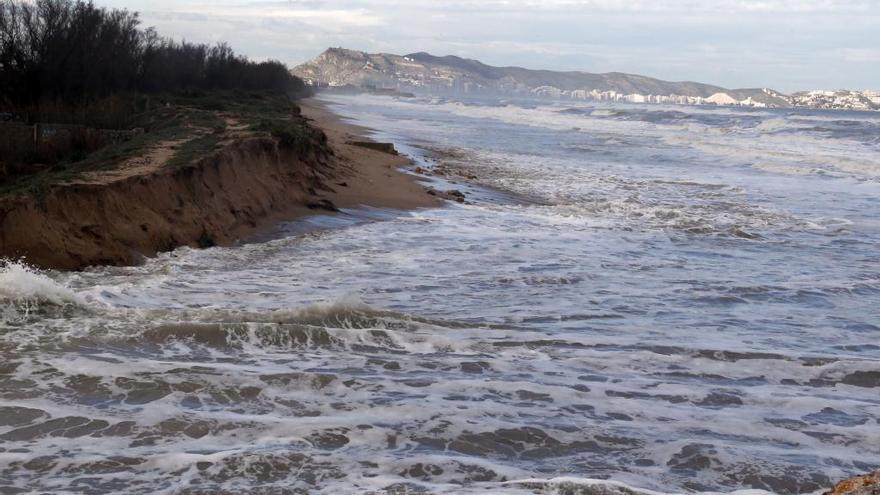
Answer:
(660, 300)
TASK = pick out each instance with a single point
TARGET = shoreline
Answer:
(243, 189)
(380, 182)
(293, 295)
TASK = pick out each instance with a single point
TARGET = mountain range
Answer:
(424, 73)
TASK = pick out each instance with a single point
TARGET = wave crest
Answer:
(24, 289)
(348, 323)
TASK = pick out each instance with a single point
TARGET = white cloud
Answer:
(785, 44)
(278, 10)
(666, 6)
(861, 55)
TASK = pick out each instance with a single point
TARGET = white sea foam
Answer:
(24, 290)
(653, 313)
(20, 282)
(738, 144)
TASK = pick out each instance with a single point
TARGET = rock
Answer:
(322, 204)
(383, 147)
(451, 195)
(868, 484)
(456, 194)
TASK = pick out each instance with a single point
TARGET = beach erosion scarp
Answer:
(247, 183)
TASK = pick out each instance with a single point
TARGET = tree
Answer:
(71, 53)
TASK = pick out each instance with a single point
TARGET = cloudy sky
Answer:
(785, 44)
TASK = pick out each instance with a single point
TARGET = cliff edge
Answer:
(236, 179)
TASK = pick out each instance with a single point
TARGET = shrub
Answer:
(60, 58)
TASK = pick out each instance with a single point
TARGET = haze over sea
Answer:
(674, 298)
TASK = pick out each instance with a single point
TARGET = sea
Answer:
(632, 299)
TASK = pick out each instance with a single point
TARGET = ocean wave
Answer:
(19, 282)
(577, 195)
(345, 324)
(784, 143)
(24, 290)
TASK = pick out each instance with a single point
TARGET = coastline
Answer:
(374, 177)
(246, 187)
(305, 282)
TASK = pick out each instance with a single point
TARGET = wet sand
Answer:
(372, 177)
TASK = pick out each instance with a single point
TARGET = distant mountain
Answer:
(425, 73)
(351, 70)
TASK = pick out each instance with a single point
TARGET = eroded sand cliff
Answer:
(248, 183)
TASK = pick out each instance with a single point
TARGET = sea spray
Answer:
(24, 289)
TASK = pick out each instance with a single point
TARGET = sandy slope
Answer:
(143, 207)
(372, 176)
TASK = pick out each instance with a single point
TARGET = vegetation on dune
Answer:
(199, 120)
(71, 54)
(68, 62)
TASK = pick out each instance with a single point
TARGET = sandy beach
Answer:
(373, 177)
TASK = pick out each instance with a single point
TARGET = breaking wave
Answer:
(655, 314)
(21, 282)
(342, 325)
(24, 290)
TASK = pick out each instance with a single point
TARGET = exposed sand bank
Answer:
(119, 216)
(372, 176)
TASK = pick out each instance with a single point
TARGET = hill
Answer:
(425, 73)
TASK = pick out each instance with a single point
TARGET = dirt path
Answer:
(234, 129)
(154, 158)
